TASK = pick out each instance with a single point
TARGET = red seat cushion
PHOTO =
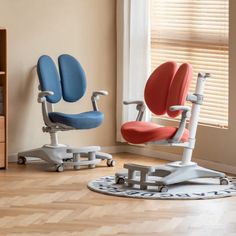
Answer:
(138, 132)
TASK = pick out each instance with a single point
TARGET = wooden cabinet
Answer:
(3, 98)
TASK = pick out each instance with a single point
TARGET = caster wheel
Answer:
(162, 189)
(120, 180)
(76, 167)
(224, 181)
(110, 163)
(92, 166)
(60, 168)
(21, 160)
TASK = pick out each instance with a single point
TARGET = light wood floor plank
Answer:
(35, 201)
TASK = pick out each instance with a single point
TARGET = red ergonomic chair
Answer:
(166, 92)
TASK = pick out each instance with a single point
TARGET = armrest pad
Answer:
(177, 108)
(43, 94)
(138, 102)
(100, 92)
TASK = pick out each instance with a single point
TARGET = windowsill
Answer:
(175, 122)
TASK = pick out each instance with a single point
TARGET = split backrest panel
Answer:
(73, 80)
(49, 78)
(179, 88)
(157, 87)
(167, 86)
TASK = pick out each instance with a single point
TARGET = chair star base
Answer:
(164, 175)
(63, 156)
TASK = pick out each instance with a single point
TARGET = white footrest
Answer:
(83, 149)
(82, 163)
(141, 168)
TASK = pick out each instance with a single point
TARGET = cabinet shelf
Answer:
(2, 72)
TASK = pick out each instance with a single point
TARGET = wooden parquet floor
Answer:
(34, 201)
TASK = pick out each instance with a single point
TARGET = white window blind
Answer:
(195, 31)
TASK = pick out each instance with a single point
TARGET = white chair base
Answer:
(164, 175)
(63, 155)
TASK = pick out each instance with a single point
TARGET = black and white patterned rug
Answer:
(207, 188)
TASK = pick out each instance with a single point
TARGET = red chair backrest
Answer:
(167, 86)
(157, 87)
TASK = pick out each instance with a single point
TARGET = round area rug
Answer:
(204, 188)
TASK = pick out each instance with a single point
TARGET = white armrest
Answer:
(178, 108)
(43, 94)
(100, 92)
(185, 114)
(140, 106)
(95, 97)
(133, 102)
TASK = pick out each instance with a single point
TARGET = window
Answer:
(195, 31)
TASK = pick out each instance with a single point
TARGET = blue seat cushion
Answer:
(85, 120)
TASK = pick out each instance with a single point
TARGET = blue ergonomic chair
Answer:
(70, 85)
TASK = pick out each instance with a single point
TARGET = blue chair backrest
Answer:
(49, 78)
(71, 84)
(73, 80)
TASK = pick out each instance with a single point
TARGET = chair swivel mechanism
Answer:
(166, 92)
(69, 84)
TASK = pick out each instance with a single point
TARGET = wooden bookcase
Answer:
(3, 99)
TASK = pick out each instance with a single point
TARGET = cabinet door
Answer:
(2, 129)
(2, 155)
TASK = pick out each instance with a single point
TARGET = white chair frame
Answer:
(174, 172)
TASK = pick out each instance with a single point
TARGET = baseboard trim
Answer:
(174, 157)
(156, 154)
(12, 157)
(113, 149)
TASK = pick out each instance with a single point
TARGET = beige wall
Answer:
(86, 29)
(214, 144)
(83, 28)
